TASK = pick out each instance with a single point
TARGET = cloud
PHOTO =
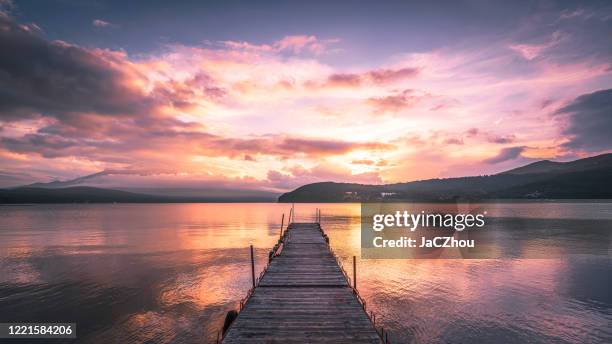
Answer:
(472, 132)
(310, 146)
(6, 5)
(454, 141)
(366, 162)
(299, 43)
(39, 77)
(344, 80)
(295, 44)
(505, 154)
(589, 121)
(59, 141)
(531, 51)
(213, 109)
(285, 146)
(48, 146)
(394, 103)
(99, 23)
(490, 137)
(323, 172)
(372, 77)
(384, 76)
(501, 139)
(369, 162)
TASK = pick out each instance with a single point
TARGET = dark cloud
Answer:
(92, 102)
(38, 76)
(47, 146)
(505, 155)
(589, 121)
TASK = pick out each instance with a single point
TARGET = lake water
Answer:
(161, 273)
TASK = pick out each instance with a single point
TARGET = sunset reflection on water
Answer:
(169, 272)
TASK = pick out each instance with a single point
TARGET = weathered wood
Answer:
(252, 266)
(303, 298)
(282, 224)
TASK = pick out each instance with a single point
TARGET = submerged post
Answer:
(252, 266)
(282, 224)
(354, 273)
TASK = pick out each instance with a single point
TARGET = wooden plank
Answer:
(303, 298)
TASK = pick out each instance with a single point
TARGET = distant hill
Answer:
(547, 166)
(68, 183)
(589, 178)
(79, 194)
(93, 188)
(85, 194)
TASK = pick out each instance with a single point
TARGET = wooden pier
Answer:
(303, 296)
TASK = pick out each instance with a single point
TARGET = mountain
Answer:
(99, 181)
(80, 194)
(589, 178)
(80, 181)
(547, 166)
(85, 194)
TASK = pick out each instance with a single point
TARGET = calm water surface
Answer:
(164, 273)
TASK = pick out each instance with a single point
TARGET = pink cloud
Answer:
(295, 44)
(531, 51)
(298, 175)
(101, 23)
(384, 76)
(344, 80)
(213, 110)
(372, 77)
(394, 103)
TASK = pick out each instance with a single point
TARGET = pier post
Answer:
(252, 266)
(282, 224)
(354, 273)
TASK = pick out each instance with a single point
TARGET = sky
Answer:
(273, 95)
